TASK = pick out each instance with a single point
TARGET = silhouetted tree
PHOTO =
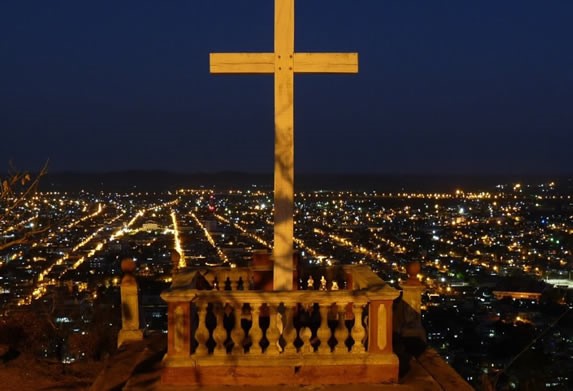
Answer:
(16, 189)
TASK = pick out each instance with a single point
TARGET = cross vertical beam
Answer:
(284, 145)
(284, 63)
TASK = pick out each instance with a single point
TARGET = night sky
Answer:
(445, 87)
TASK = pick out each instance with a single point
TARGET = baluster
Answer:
(228, 284)
(358, 331)
(237, 334)
(340, 332)
(348, 319)
(202, 333)
(219, 333)
(273, 332)
(240, 284)
(366, 339)
(246, 318)
(289, 332)
(306, 332)
(256, 333)
(323, 332)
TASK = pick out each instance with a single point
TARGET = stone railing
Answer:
(217, 278)
(297, 337)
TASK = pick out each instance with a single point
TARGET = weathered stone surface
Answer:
(281, 375)
(131, 363)
(125, 336)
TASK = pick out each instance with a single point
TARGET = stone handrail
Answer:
(218, 277)
(361, 277)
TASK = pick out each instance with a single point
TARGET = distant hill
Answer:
(164, 180)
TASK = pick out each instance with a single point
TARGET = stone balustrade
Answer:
(241, 336)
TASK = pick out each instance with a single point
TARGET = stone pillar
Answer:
(179, 329)
(380, 344)
(175, 259)
(130, 330)
(410, 312)
(262, 271)
(380, 327)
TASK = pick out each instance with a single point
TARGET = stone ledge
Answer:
(278, 375)
(127, 336)
(281, 369)
(268, 360)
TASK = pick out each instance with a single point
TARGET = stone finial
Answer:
(310, 283)
(128, 267)
(413, 269)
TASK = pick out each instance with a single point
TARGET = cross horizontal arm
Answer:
(242, 62)
(264, 63)
(326, 62)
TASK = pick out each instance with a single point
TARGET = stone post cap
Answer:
(413, 268)
(128, 266)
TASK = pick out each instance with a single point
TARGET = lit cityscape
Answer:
(496, 265)
(158, 233)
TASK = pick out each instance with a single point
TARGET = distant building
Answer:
(150, 225)
(499, 295)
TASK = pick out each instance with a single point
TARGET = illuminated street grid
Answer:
(467, 243)
(456, 236)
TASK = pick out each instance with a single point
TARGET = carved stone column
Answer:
(358, 332)
(202, 333)
(273, 332)
(323, 332)
(219, 333)
(256, 333)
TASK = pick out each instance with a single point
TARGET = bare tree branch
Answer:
(23, 239)
(19, 186)
(15, 190)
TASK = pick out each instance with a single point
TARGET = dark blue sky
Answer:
(444, 86)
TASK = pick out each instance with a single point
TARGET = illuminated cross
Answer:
(284, 62)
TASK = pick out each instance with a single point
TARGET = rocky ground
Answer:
(23, 373)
